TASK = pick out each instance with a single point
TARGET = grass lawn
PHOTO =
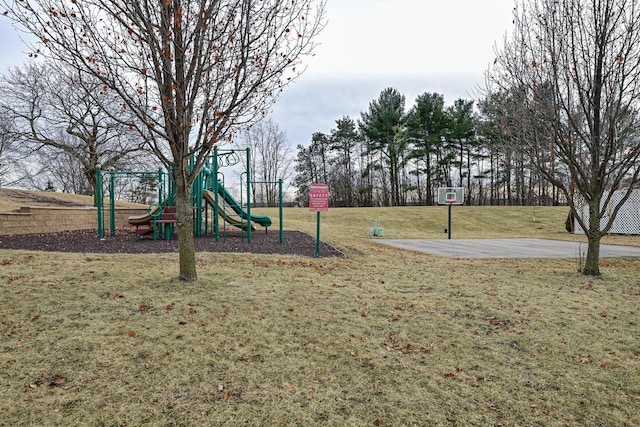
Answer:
(384, 337)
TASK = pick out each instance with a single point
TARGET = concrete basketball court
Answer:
(508, 248)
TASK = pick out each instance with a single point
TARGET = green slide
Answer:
(262, 220)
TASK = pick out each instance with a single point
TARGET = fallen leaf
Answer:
(55, 380)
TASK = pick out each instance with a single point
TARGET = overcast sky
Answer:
(415, 46)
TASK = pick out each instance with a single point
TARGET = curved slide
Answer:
(144, 222)
(265, 221)
(143, 219)
(209, 196)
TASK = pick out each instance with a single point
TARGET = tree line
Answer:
(559, 121)
(393, 156)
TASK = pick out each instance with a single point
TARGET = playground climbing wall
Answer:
(628, 219)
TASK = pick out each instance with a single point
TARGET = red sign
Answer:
(319, 198)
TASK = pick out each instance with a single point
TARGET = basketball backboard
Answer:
(450, 195)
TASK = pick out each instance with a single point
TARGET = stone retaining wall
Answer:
(54, 219)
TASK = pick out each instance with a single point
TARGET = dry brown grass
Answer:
(384, 337)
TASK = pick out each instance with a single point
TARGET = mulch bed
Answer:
(124, 241)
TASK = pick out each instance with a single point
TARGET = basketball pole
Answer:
(449, 224)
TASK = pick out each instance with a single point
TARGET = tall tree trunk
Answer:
(494, 172)
(428, 185)
(184, 216)
(508, 179)
(468, 195)
(419, 190)
(349, 177)
(395, 181)
(592, 263)
(90, 174)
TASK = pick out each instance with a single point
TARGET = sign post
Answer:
(318, 202)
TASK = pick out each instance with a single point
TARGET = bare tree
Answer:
(575, 66)
(11, 158)
(192, 71)
(271, 159)
(60, 171)
(57, 113)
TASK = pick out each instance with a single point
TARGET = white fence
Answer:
(626, 222)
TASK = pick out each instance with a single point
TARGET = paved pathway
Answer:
(508, 248)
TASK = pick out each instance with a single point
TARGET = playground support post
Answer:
(248, 195)
(214, 187)
(112, 205)
(196, 199)
(99, 202)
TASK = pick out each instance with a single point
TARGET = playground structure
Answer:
(210, 201)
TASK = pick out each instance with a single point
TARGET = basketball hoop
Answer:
(450, 195)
